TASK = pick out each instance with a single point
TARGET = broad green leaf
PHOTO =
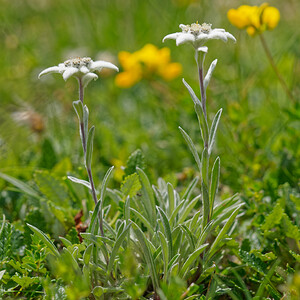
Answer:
(192, 147)
(213, 130)
(214, 247)
(167, 229)
(89, 147)
(131, 185)
(292, 231)
(20, 185)
(147, 254)
(80, 181)
(192, 257)
(45, 239)
(273, 218)
(147, 196)
(116, 247)
(215, 175)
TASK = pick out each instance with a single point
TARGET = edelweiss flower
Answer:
(81, 68)
(197, 34)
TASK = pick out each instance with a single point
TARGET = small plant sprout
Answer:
(83, 70)
(198, 35)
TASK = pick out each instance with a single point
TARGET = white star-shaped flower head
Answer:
(81, 68)
(198, 35)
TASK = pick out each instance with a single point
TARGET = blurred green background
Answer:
(38, 127)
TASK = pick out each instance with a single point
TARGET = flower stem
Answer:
(273, 65)
(88, 168)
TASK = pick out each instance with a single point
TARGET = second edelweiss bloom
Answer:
(197, 34)
(81, 68)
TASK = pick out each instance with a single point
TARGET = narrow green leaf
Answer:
(202, 123)
(45, 239)
(219, 208)
(78, 107)
(94, 217)
(116, 247)
(176, 211)
(87, 254)
(209, 74)
(171, 198)
(85, 120)
(147, 254)
(192, 147)
(215, 175)
(65, 241)
(80, 181)
(214, 247)
(188, 192)
(3, 224)
(147, 196)
(191, 92)
(266, 280)
(192, 257)
(89, 147)
(184, 214)
(167, 229)
(20, 185)
(213, 130)
(190, 236)
(143, 220)
(165, 252)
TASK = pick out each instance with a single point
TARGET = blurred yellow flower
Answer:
(146, 63)
(255, 19)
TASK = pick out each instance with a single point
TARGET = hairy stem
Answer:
(273, 65)
(88, 168)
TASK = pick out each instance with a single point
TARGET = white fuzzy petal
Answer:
(87, 78)
(84, 69)
(70, 71)
(217, 35)
(99, 64)
(171, 36)
(185, 38)
(230, 36)
(55, 69)
(203, 49)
